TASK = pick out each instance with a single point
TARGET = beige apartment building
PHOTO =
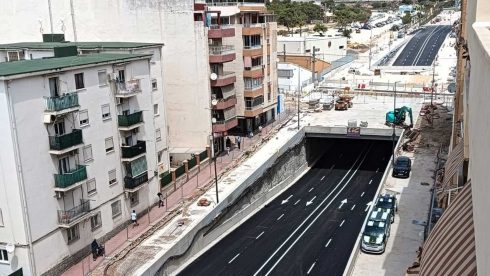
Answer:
(243, 65)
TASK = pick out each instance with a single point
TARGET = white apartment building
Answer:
(169, 22)
(327, 48)
(79, 153)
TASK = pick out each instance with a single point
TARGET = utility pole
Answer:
(433, 82)
(299, 89)
(313, 66)
(394, 118)
(370, 48)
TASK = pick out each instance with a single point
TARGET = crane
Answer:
(397, 117)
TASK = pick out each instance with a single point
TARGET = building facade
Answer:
(327, 48)
(253, 69)
(79, 153)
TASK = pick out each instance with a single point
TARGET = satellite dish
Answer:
(10, 248)
(213, 76)
(213, 120)
(214, 102)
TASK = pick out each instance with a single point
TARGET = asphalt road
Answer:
(423, 47)
(307, 230)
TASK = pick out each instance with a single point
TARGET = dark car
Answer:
(387, 203)
(402, 167)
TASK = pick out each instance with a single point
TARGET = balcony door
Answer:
(54, 86)
(121, 76)
(64, 165)
(128, 140)
(59, 128)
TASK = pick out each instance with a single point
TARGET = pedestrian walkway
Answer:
(174, 199)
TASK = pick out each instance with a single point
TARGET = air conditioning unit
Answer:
(112, 76)
(49, 119)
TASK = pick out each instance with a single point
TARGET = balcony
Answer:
(61, 104)
(252, 29)
(254, 91)
(132, 184)
(254, 72)
(61, 144)
(220, 31)
(130, 153)
(224, 79)
(224, 104)
(253, 51)
(67, 219)
(131, 121)
(254, 110)
(225, 125)
(70, 180)
(221, 54)
(127, 89)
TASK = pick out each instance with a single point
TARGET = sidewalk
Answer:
(174, 200)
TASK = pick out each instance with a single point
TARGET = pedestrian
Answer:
(133, 219)
(228, 145)
(160, 200)
(238, 141)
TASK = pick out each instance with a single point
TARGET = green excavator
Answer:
(398, 116)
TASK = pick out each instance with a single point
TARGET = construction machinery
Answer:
(344, 102)
(398, 116)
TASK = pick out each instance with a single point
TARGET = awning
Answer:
(453, 164)
(450, 248)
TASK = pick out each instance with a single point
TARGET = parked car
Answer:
(375, 236)
(402, 167)
(387, 202)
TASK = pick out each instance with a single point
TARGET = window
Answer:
(91, 187)
(134, 199)
(154, 85)
(341, 47)
(109, 144)
(158, 135)
(4, 256)
(159, 156)
(79, 81)
(112, 177)
(155, 109)
(116, 208)
(96, 221)
(87, 153)
(106, 112)
(83, 117)
(1, 218)
(102, 74)
(72, 234)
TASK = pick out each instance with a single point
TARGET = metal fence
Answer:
(179, 171)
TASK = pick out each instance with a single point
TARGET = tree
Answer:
(345, 15)
(328, 4)
(407, 18)
(320, 28)
(347, 32)
(395, 28)
(407, 2)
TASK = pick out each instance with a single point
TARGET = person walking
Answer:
(238, 141)
(228, 145)
(160, 200)
(134, 218)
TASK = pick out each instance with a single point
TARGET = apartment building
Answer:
(248, 32)
(79, 153)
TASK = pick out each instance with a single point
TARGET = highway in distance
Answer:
(422, 49)
(312, 227)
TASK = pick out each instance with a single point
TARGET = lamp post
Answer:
(213, 153)
(394, 118)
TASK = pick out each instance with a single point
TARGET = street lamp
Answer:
(213, 153)
(394, 119)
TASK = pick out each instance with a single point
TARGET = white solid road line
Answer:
(328, 243)
(370, 181)
(342, 223)
(311, 267)
(259, 235)
(280, 217)
(236, 256)
(362, 194)
(297, 202)
(322, 178)
(311, 190)
(353, 206)
(312, 213)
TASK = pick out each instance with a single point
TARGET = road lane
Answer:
(256, 240)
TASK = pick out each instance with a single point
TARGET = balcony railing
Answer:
(131, 119)
(59, 103)
(128, 88)
(221, 50)
(61, 142)
(134, 182)
(67, 217)
(132, 151)
(65, 180)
